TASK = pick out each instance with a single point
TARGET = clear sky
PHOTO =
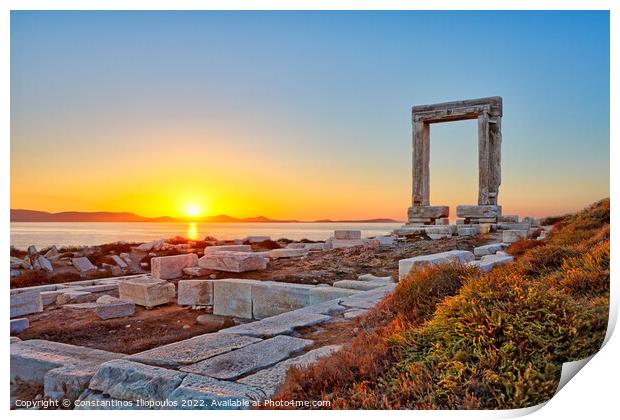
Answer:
(301, 114)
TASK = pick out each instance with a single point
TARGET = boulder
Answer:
(52, 253)
(83, 264)
(32, 251)
(26, 303)
(236, 262)
(147, 292)
(196, 271)
(195, 292)
(119, 261)
(456, 256)
(348, 234)
(171, 267)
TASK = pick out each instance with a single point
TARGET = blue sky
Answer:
(313, 104)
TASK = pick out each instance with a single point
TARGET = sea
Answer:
(87, 234)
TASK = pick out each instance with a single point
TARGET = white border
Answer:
(592, 394)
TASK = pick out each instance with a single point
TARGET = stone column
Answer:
(483, 159)
(421, 158)
(495, 158)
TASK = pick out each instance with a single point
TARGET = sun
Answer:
(193, 210)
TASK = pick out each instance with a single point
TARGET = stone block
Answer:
(97, 288)
(510, 236)
(367, 299)
(171, 266)
(438, 232)
(273, 298)
(456, 256)
(281, 324)
(489, 261)
(87, 306)
(409, 230)
(119, 261)
(83, 264)
(196, 271)
(233, 297)
(44, 263)
(128, 380)
(249, 359)
(287, 253)
(442, 221)
(19, 325)
(192, 350)
(508, 218)
(271, 378)
(315, 246)
(25, 303)
(118, 309)
(513, 226)
(230, 261)
(195, 292)
(296, 245)
(468, 230)
(489, 249)
(235, 248)
(474, 211)
(67, 382)
(146, 292)
(431, 212)
(333, 243)
(358, 284)
(73, 296)
(348, 234)
(324, 294)
(213, 394)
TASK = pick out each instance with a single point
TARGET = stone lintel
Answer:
(458, 110)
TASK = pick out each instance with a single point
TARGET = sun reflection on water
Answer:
(192, 231)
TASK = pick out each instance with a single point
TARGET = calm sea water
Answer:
(78, 234)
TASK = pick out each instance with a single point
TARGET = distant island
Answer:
(21, 215)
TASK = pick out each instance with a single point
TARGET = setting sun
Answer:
(193, 210)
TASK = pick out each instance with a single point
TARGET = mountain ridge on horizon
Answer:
(24, 215)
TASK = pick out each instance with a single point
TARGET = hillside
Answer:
(450, 337)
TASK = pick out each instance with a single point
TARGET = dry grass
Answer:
(453, 338)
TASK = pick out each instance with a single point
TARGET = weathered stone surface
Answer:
(508, 218)
(489, 249)
(195, 271)
(19, 263)
(68, 381)
(442, 222)
(386, 240)
(220, 248)
(32, 359)
(233, 297)
(333, 243)
(213, 321)
(236, 262)
(327, 293)
(19, 325)
(195, 292)
(367, 299)
(15, 340)
(359, 285)
(73, 296)
(510, 236)
(97, 288)
(151, 246)
(192, 350)
(456, 256)
(171, 266)
(32, 250)
(348, 234)
(513, 226)
(271, 378)
(249, 359)
(44, 263)
(438, 232)
(119, 261)
(213, 394)
(287, 253)
(273, 298)
(317, 246)
(25, 303)
(296, 245)
(87, 306)
(485, 211)
(428, 212)
(105, 299)
(468, 230)
(485, 227)
(128, 380)
(146, 292)
(280, 324)
(118, 309)
(489, 261)
(409, 230)
(370, 277)
(83, 264)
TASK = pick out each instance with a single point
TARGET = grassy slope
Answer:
(451, 337)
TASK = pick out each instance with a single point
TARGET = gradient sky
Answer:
(301, 114)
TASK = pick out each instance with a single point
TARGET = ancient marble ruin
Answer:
(488, 112)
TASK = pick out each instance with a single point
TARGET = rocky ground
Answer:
(165, 324)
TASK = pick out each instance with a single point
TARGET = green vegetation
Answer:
(450, 337)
